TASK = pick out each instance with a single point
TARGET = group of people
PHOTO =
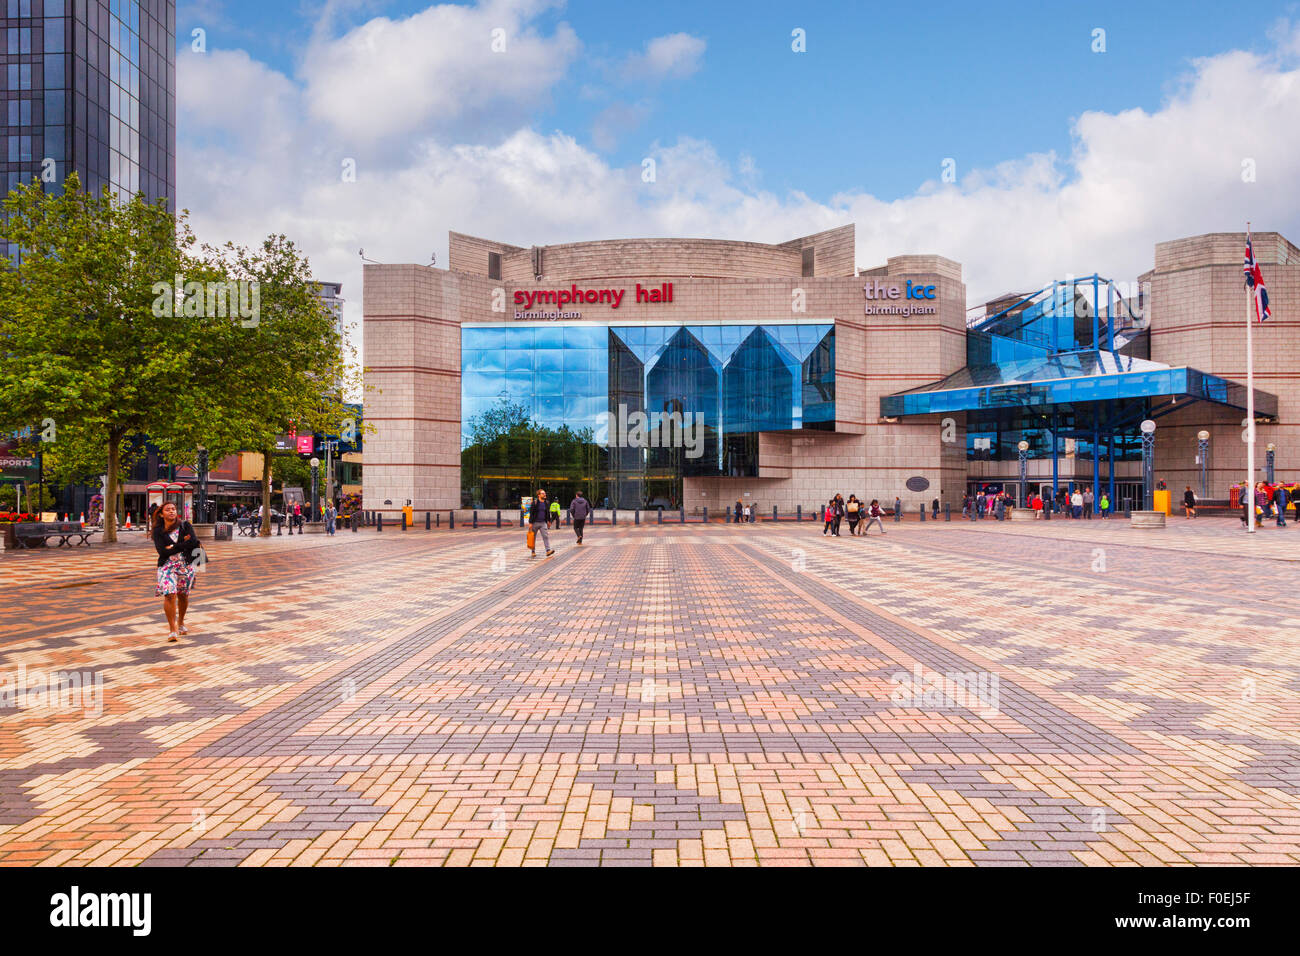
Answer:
(542, 512)
(1271, 501)
(1077, 504)
(858, 512)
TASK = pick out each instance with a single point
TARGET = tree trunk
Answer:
(110, 490)
(266, 494)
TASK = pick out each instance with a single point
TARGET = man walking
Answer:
(579, 511)
(1087, 503)
(1280, 501)
(537, 522)
(330, 515)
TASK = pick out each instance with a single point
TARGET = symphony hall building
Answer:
(692, 373)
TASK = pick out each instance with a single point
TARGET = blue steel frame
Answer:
(1124, 395)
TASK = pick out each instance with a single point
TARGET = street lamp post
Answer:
(1203, 458)
(1023, 448)
(315, 491)
(1268, 462)
(1148, 465)
(203, 485)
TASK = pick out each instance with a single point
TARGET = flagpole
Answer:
(1250, 411)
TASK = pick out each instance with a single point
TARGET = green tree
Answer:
(291, 366)
(85, 342)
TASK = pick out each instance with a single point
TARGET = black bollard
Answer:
(660, 512)
(947, 511)
(1047, 510)
(474, 514)
(728, 512)
(498, 518)
(437, 520)
(613, 516)
(636, 516)
(451, 520)
(775, 514)
(428, 521)
(682, 517)
(352, 520)
(923, 512)
(403, 520)
(379, 522)
(706, 514)
(798, 512)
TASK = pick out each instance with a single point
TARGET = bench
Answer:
(27, 532)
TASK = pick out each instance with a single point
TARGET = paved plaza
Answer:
(1014, 693)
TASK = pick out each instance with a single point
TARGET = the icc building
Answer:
(692, 373)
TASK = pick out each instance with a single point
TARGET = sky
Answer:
(1026, 141)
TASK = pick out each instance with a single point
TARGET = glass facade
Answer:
(626, 412)
(91, 88)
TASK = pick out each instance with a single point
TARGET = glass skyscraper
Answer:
(90, 86)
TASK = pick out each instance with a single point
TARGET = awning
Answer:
(1067, 379)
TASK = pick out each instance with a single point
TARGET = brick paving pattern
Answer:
(665, 695)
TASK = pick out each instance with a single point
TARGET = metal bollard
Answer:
(636, 516)
(451, 520)
(798, 512)
(474, 513)
(498, 518)
(437, 520)
(1047, 510)
(728, 513)
(660, 512)
(774, 513)
(947, 511)
(681, 518)
(706, 514)
(613, 516)
(922, 512)
(403, 520)
(568, 519)
(379, 522)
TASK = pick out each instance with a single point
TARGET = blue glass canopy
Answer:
(1067, 379)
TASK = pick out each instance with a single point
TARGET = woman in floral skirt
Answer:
(177, 547)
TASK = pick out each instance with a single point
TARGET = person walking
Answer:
(934, 509)
(330, 516)
(829, 514)
(538, 523)
(1087, 503)
(176, 543)
(875, 516)
(554, 513)
(1280, 503)
(579, 512)
(1076, 504)
(852, 511)
(740, 510)
(898, 510)
(1189, 503)
(838, 505)
(1104, 507)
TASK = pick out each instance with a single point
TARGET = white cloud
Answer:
(434, 71)
(253, 160)
(673, 56)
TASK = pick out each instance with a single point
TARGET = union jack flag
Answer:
(1255, 280)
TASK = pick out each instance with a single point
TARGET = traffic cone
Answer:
(83, 518)
(128, 521)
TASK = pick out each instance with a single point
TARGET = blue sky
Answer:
(1066, 160)
(981, 87)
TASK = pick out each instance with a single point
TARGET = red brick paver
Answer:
(948, 694)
